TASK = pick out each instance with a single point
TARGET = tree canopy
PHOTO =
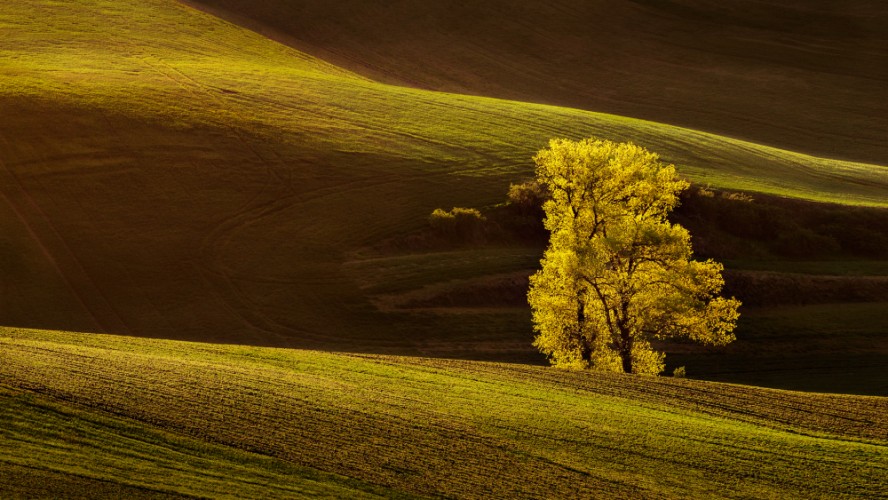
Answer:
(617, 274)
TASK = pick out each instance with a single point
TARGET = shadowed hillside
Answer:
(807, 75)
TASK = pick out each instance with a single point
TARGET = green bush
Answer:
(463, 224)
(527, 198)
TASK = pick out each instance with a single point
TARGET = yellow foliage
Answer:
(617, 274)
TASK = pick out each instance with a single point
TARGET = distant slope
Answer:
(435, 427)
(164, 173)
(808, 75)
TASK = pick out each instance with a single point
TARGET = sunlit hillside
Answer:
(176, 418)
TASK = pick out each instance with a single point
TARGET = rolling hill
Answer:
(168, 174)
(247, 218)
(176, 418)
(805, 75)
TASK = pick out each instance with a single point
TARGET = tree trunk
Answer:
(627, 362)
(585, 345)
(625, 337)
(626, 349)
(586, 352)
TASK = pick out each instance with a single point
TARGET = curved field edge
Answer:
(803, 75)
(163, 62)
(59, 449)
(469, 429)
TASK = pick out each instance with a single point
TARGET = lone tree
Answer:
(617, 273)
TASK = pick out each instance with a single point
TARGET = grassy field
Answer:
(77, 403)
(55, 449)
(835, 347)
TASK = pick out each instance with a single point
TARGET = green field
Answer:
(52, 449)
(414, 425)
(166, 174)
